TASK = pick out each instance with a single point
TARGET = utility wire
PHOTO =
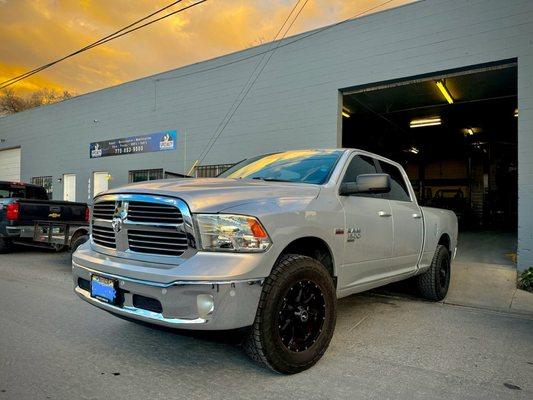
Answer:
(287, 43)
(297, 39)
(254, 76)
(113, 36)
(270, 50)
(91, 44)
(245, 86)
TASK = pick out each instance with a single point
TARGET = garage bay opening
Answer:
(455, 132)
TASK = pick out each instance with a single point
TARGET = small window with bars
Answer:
(142, 175)
(210, 171)
(46, 182)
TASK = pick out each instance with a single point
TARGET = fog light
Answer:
(205, 304)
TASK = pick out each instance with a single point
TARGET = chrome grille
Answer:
(104, 210)
(142, 226)
(155, 213)
(104, 236)
(169, 243)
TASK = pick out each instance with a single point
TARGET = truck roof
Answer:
(19, 184)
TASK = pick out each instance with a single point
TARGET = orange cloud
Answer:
(34, 33)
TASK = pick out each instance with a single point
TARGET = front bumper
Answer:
(234, 302)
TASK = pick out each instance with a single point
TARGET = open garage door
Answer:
(455, 133)
(10, 165)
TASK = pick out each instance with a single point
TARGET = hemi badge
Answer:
(339, 231)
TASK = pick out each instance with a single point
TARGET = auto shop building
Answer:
(443, 86)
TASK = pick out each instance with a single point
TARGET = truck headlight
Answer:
(237, 233)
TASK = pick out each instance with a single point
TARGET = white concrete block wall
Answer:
(293, 104)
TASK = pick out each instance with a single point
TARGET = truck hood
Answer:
(213, 195)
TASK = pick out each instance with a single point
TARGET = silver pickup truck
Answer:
(270, 244)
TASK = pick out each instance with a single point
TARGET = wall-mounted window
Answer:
(209, 171)
(142, 175)
(44, 181)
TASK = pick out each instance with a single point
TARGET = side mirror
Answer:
(367, 183)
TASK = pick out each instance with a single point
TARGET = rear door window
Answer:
(36, 193)
(399, 189)
(12, 190)
(8, 190)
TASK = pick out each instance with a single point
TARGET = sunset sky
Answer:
(36, 32)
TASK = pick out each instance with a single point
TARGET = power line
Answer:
(108, 38)
(153, 21)
(270, 50)
(287, 43)
(91, 44)
(259, 68)
(243, 89)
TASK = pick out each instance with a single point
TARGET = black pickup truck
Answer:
(28, 217)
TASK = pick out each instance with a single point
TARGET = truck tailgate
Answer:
(45, 210)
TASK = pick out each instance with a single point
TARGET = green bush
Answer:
(525, 281)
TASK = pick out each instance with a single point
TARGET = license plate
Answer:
(104, 289)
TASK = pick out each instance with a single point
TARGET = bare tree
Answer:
(11, 103)
(259, 40)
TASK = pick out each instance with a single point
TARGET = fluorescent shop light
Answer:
(516, 112)
(444, 90)
(471, 131)
(346, 112)
(430, 121)
(413, 150)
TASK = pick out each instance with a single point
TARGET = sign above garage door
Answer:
(10, 165)
(159, 141)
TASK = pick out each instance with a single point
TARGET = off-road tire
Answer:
(263, 343)
(77, 242)
(432, 285)
(5, 245)
(58, 248)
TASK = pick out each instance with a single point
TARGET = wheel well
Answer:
(445, 240)
(78, 233)
(312, 247)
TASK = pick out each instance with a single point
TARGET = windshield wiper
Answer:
(260, 178)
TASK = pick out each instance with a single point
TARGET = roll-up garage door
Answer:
(10, 165)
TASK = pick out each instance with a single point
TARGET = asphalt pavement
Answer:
(54, 346)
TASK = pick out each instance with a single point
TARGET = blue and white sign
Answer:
(159, 141)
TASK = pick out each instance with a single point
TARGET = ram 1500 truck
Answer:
(28, 217)
(270, 244)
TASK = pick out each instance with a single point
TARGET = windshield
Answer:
(303, 166)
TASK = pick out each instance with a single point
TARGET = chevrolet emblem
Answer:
(54, 215)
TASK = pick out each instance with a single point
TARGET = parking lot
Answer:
(54, 346)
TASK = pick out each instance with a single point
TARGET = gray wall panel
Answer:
(294, 103)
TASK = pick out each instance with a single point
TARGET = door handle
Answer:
(417, 216)
(384, 214)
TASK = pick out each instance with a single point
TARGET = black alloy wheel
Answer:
(301, 316)
(296, 315)
(434, 283)
(444, 273)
